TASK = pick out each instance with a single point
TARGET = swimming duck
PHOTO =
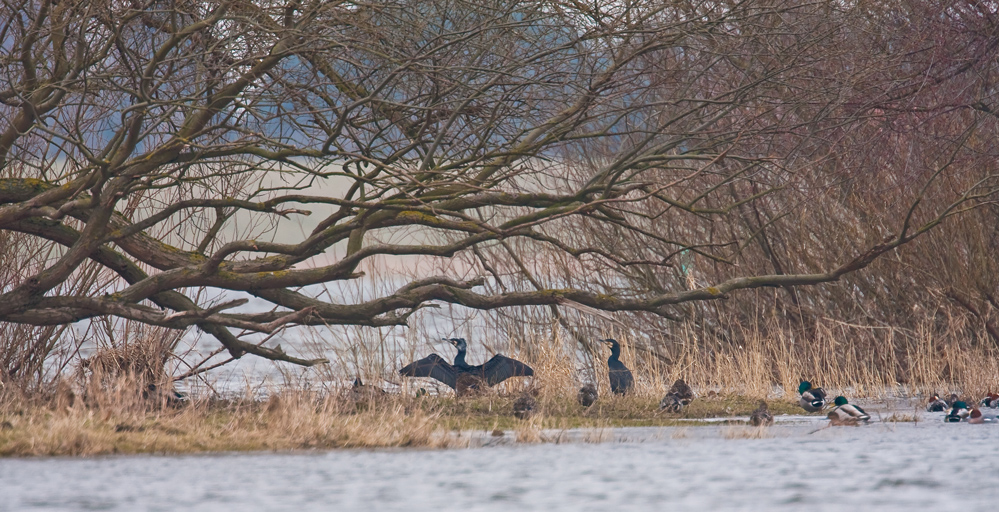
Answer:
(957, 412)
(812, 399)
(977, 417)
(761, 416)
(937, 404)
(991, 400)
(846, 413)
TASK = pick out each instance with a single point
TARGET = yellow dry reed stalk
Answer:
(746, 432)
(528, 433)
(598, 435)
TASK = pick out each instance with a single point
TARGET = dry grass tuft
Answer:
(746, 432)
(528, 434)
(896, 417)
(598, 435)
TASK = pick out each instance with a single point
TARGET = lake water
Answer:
(928, 465)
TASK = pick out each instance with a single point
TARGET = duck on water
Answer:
(462, 377)
(812, 399)
(846, 413)
(762, 416)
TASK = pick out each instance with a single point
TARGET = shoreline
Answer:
(290, 422)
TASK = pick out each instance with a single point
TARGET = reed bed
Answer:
(119, 402)
(857, 361)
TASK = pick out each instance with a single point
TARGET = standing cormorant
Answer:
(621, 380)
(463, 377)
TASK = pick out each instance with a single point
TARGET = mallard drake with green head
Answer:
(846, 413)
(812, 399)
(761, 416)
(937, 404)
(957, 412)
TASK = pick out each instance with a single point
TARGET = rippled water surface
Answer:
(905, 466)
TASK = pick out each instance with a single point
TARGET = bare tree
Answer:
(160, 142)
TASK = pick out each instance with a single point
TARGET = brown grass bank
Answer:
(66, 424)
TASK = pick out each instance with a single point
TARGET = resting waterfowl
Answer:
(678, 397)
(621, 380)
(977, 417)
(761, 416)
(466, 379)
(812, 399)
(937, 404)
(683, 391)
(957, 412)
(524, 406)
(846, 413)
(587, 395)
(991, 400)
(671, 403)
(361, 391)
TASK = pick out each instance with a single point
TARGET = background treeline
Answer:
(744, 193)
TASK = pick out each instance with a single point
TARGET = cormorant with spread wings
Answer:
(462, 377)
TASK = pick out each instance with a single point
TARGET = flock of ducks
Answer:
(468, 379)
(844, 413)
(958, 410)
(813, 399)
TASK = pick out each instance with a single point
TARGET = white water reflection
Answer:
(905, 466)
